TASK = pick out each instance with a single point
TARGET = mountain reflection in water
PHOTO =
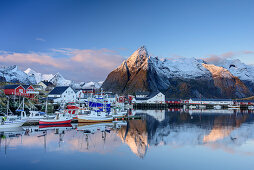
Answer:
(225, 131)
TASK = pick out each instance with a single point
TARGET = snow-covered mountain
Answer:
(13, 74)
(38, 76)
(59, 80)
(30, 76)
(92, 84)
(179, 77)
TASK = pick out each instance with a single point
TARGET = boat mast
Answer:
(7, 109)
(23, 104)
(46, 106)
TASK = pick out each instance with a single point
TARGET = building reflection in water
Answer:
(227, 130)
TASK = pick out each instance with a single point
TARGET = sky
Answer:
(86, 40)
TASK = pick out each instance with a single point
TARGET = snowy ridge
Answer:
(13, 74)
(38, 76)
(218, 71)
(237, 68)
(92, 84)
(59, 80)
(180, 67)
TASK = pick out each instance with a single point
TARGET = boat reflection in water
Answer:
(229, 131)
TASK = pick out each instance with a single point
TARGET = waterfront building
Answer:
(154, 97)
(62, 94)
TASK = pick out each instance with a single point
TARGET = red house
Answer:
(29, 91)
(14, 89)
(20, 90)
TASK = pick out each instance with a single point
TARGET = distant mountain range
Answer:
(181, 77)
(29, 76)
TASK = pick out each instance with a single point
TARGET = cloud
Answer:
(74, 64)
(40, 39)
(217, 59)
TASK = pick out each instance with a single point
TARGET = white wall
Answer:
(67, 96)
(159, 98)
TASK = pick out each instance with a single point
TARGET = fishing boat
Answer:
(11, 123)
(95, 117)
(36, 116)
(251, 107)
(217, 107)
(61, 118)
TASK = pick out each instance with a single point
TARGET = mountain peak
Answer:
(29, 70)
(141, 51)
(138, 58)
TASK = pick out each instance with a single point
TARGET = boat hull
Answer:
(54, 122)
(95, 120)
(53, 126)
(12, 125)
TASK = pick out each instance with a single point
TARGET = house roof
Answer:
(26, 86)
(59, 90)
(12, 86)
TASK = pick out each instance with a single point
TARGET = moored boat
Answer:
(94, 117)
(61, 118)
(234, 106)
(11, 123)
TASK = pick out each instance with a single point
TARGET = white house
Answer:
(62, 94)
(154, 97)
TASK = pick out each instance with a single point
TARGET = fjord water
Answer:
(160, 140)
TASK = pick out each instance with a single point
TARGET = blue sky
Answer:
(114, 29)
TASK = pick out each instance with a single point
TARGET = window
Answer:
(21, 90)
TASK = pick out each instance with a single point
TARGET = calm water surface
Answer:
(160, 140)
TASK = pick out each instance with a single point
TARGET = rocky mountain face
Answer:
(178, 77)
(13, 74)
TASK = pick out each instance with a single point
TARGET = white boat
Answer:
(202, 106)
(94, 117)
(251, 107)
(234, 106)
(35, 116)
(192, 107)
(217, 107)
(11, 123)
(119, 114)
